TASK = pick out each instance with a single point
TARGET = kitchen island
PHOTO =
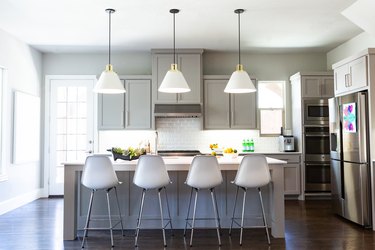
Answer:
(76, 196)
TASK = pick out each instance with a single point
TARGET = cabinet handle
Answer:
(122, 118)
(348, 81)
(127, 118)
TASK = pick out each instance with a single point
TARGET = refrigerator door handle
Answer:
(362, 121)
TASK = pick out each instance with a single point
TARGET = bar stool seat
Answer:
(151, 173)
(98, 174)
(253, 172)
(204, 173)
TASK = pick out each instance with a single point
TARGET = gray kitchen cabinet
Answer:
(189, 63)
(227, 111)
(131, 110)
(292, 172)
(317, 86)
(350, 76)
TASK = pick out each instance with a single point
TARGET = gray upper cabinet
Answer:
(138, 104)
(131, 110)
(317, 86)
(189, 63)
(351, 76)
(227, 111)
(111, 109)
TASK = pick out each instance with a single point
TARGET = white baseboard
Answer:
(19, 201)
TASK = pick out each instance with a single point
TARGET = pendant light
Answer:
(239, 81)
(174, 81)
(109, 82)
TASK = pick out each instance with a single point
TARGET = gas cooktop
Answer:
(179, 152)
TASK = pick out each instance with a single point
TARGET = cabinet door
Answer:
(111, 109)
(358, 73)
(292, 179)
(327, 86)
(216, 105)
(311, 86)
(190, 66)
(138, 104)
(160, 65)
(292, 172)
(243, 111)
(341, 79)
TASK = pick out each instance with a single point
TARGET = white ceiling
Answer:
(267, 25)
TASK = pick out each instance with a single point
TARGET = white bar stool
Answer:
(253, 172)
(98, 174)
(204, 173)
(151, 173)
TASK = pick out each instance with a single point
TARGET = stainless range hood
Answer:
(177, 110)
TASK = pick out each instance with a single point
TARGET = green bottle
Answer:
(251, 145)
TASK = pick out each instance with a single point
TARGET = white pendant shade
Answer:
(174, 81)
(240, 82)
(109, 82)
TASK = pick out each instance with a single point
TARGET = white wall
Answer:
(349, 48)
(24, 73)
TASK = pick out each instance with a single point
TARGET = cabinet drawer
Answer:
(289, 158)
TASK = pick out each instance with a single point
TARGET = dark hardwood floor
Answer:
(309, 225)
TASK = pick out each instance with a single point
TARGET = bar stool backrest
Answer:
(98, 173)
(253, 172)
(204, 172)
(151, 172)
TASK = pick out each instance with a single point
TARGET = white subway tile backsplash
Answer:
(185, 133)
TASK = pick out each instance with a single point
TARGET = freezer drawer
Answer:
(336, 188)
(356, 193)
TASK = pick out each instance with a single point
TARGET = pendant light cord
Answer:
(174, 38)
(109, 38)
(239, 38)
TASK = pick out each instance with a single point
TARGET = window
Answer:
(271, 106)
(3, 175)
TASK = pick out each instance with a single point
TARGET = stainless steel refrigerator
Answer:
(350, 158)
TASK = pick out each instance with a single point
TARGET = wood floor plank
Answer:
(309, 225)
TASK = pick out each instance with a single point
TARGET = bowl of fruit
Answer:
(230, 153)
(215, 148)
(127, 154)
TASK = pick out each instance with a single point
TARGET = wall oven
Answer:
(317, 159)
(316, 112)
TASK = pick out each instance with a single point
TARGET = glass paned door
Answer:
(71, 126)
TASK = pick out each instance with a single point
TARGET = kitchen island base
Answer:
(76, 198)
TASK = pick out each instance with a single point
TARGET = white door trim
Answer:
(46, 134)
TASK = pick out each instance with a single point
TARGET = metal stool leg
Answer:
(264, 216)
(139, 217)
(119, 211)
(243, 213)
(217, 209)
(169, 212)
(193, 222)
(216, 215)
(109, 217)
(188, 212)
(234, 209)
(88, 218)
(161, 217)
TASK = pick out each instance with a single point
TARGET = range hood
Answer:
(177, 110)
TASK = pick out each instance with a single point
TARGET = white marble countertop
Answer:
(181, 163)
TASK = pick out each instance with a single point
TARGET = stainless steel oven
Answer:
(317, 159)
(316, 112)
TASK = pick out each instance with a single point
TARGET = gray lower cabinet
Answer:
(178, 197)
(227, 111)
(131, 110)
(292, 172)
